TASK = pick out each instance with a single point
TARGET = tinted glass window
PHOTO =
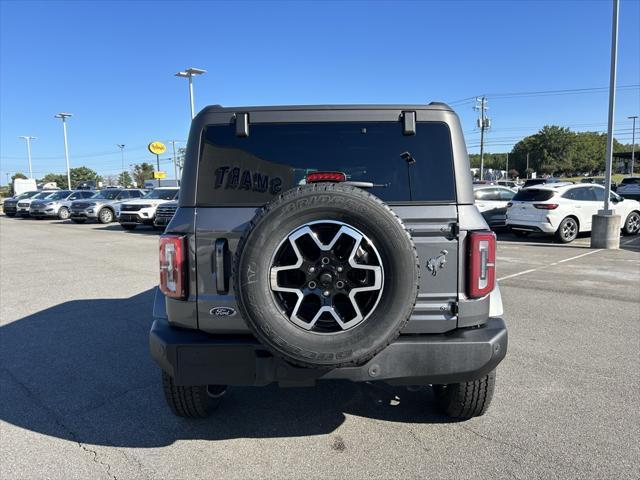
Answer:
(135, 193)
(163, 194)
(276, 157)
(88, 194)
(630, 181)
(532, 195)
(534, 181)
(599, 194)
(123, 195)
(107, 194)
(506, 194)
(487, 194)
(584, 194)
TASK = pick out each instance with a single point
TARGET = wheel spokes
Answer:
(330, 271)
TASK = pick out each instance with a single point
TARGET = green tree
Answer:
(513, 173)
(78, 175)
(141, 172)
(125, 179)
(59, 179)
(84, 174)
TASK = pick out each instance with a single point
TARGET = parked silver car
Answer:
(492, 202)
(23, 206)
(57, 204)
(104, 206)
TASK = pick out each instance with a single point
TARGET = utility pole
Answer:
(633, 142)
(121, 147)
(29, 138)
(175, 161)
(63, 117)
(506, 167)
(526, 172)
(483, 123)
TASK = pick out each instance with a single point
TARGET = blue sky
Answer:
(111, 64)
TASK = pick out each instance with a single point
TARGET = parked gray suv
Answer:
(327, 242)
(104, 206)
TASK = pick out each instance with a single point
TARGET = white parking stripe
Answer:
(578, 256)
(549, 265)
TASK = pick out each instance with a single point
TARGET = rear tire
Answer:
(632, 224)
(467, 399)
(63, 213)
(568, 230)
(128, 226)
(197, 401)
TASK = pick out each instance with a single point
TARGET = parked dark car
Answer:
(10, 205)
(327, 242)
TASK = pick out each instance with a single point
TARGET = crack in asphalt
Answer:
(58, 421)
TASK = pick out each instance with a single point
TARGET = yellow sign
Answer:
(158, 175)
(157, 148)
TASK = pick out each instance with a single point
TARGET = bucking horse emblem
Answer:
(435, 264)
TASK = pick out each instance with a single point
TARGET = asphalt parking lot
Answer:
(80, 397)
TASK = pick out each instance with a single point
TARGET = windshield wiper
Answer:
(366, 184)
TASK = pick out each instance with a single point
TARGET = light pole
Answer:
(28, 139)
(121, 147)
(189, 73)
(63, 116)
(605, 225)
(633, 141)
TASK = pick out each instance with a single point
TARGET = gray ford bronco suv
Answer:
(327, 242)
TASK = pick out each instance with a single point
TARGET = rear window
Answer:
(532, 195)
(275, 157)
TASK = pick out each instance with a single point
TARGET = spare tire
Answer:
(326, 275)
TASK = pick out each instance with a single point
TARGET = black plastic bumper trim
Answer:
(192, 357)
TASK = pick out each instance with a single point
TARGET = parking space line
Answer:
(548, 265)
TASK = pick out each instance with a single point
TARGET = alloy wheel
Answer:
(327, 277)
(633, 223)
(569, 229)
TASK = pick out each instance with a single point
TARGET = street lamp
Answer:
(63, 116)
(28, 139)
(189, 73)
(605, 225)
(633, 141)
(121, 147)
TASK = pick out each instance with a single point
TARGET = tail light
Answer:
(326, 177)
(546, 206)
(173, 266)
(482, 260)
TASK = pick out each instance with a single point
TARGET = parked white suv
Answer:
(566, 210)
(143, 210)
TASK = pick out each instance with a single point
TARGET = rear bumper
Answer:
(531, 226)
(192, 357)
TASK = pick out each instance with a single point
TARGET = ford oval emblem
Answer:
(222, 311)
